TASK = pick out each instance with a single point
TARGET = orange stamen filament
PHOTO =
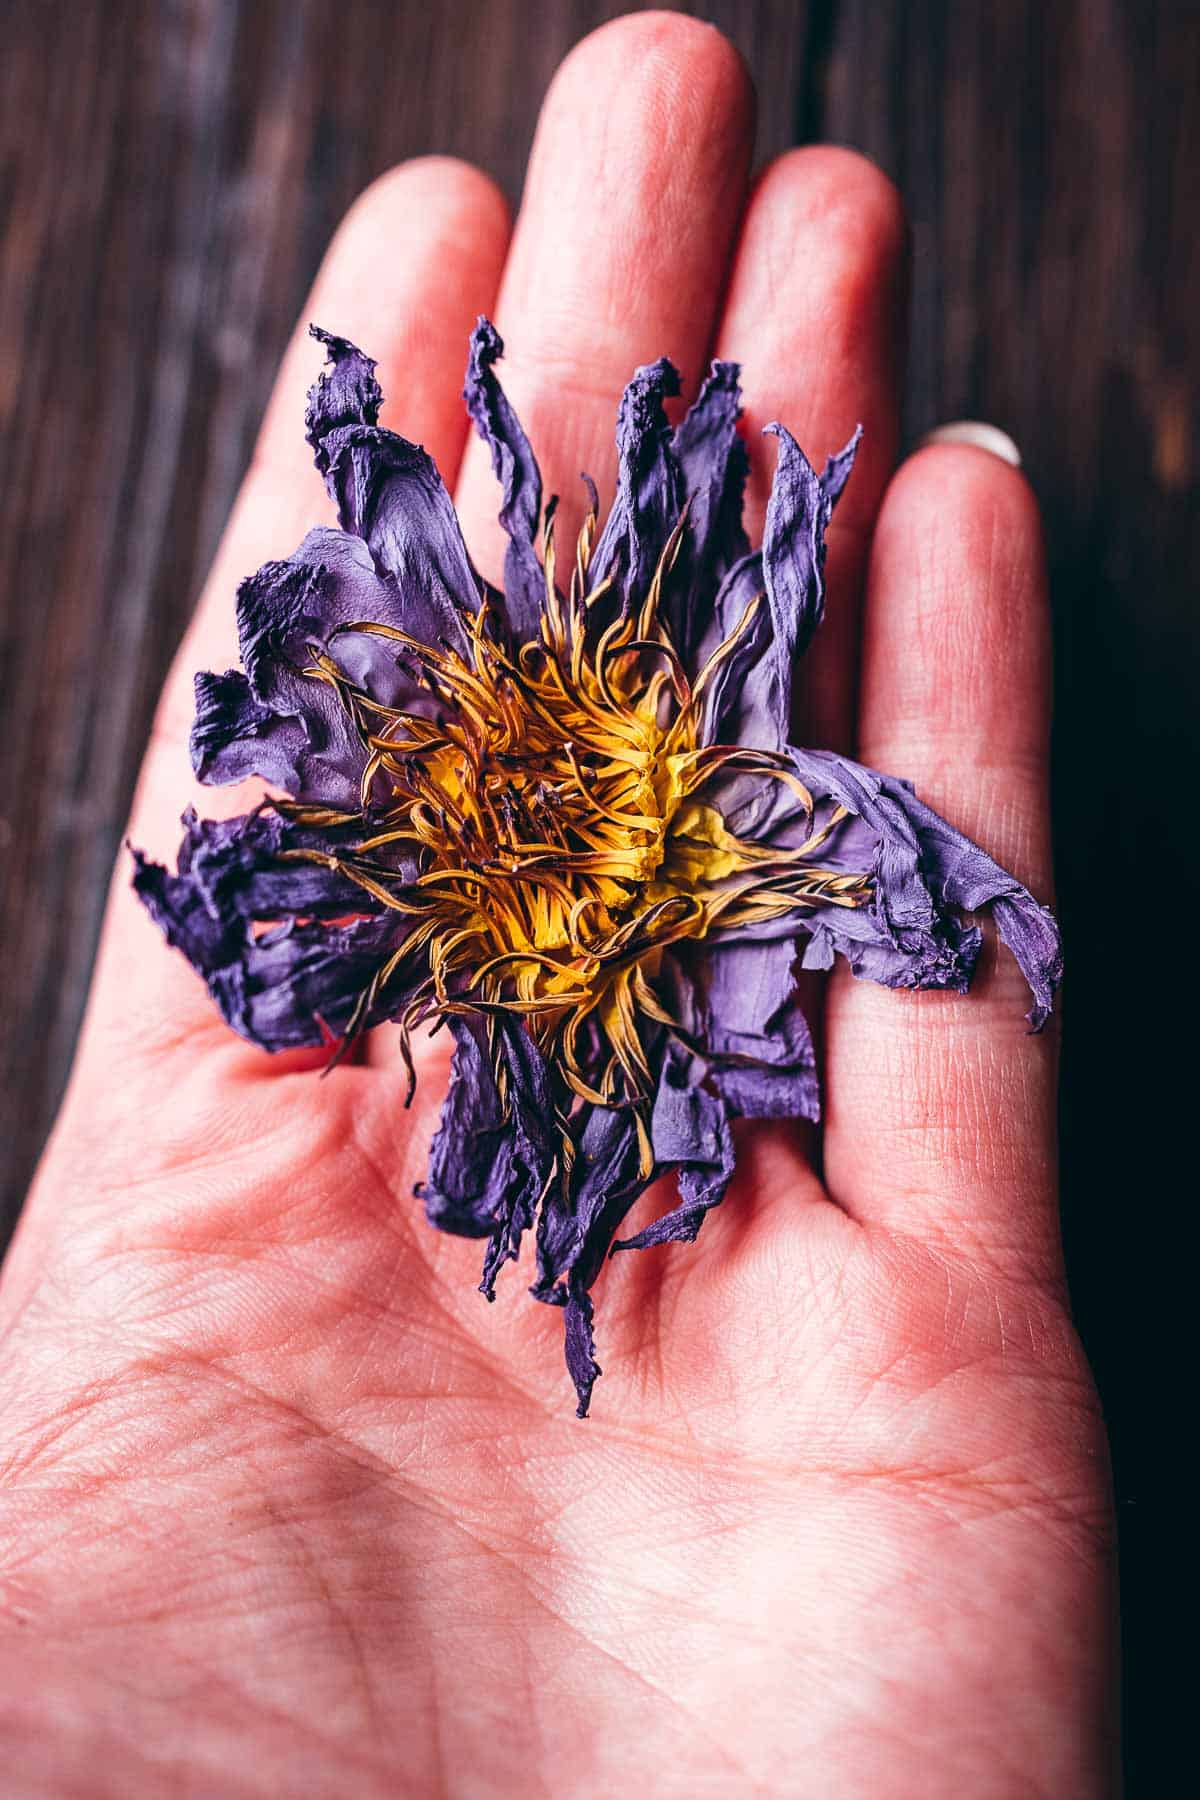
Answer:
(555, 813)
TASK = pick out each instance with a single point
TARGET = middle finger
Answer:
(635, 184)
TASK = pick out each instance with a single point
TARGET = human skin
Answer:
(284, 1506)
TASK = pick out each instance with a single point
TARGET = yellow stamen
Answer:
(555, 807)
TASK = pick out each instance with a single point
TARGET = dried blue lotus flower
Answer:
(564, 819)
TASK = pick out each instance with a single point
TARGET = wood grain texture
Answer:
(169, 173)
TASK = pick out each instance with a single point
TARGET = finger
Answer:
(815, 317)
(619, 256)
(417, 257)
(940, 1107)
(634, 186)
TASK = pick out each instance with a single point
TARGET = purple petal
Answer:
(690, 1132)
(346, 393)
(490, 1163)
(350, 592)
(687, 1123)
(793, 555)
(234, 736)
(281, 724)
(762, 1061)
(713, 467)
(470, 1159)
(278, 722)
(520, 482)
(575, 1229)
(580, 1346)
(235, 868)
(836, 472)
(746, 695)
(296, 984)
(649, 486)
(750, 696)
(764, 810)
(922, 867)
(388, 493)
(533, 1146)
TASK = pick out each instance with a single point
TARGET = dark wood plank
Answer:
(169, 173)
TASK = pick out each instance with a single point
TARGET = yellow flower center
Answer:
(556, 808)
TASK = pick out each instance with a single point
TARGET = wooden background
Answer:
(169, 173)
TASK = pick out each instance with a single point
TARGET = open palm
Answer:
(284, 1506)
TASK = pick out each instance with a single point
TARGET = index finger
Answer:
(415, 260)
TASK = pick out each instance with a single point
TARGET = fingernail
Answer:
(978, 435)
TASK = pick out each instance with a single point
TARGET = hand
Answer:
(285, 1506)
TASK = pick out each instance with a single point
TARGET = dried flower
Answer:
(564, 819)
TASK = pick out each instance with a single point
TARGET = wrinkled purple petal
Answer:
(575, 1229)
(234, 868)
(580, 1346)
(749, 699)
(690, 1132)
(345, 393)
(650, 493)
(520, 483)
(921, 866)
(234, 736)
(490, 1162)
(278, 722)
(744, 696)
(686, 1123)
(757, 1039)
(575, 1232)
(299, 982)
(349, 592)
(388, 493)
(793, 553)
(713, 466)
(470, 1159)
(533, 1146)
(838, 467)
